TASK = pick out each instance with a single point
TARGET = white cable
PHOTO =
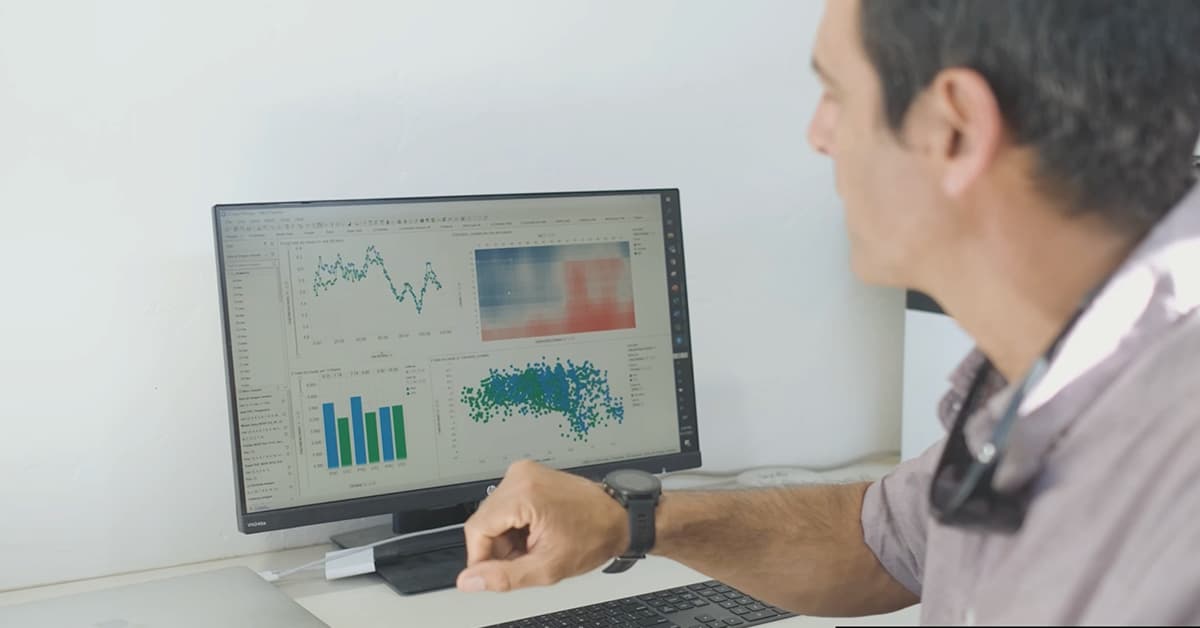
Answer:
(731, 474)
(351, 561)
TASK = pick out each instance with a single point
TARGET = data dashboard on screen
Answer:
(382, 347)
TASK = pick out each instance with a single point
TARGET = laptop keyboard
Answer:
(703, 605)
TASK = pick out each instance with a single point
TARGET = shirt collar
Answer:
(1158, 285)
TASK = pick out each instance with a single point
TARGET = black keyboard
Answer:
(702, 605)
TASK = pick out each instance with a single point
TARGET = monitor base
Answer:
(425, 563)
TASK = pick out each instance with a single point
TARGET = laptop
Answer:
(234, 597)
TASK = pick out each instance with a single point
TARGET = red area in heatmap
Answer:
(592, 303)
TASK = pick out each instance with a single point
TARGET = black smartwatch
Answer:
(638, 492)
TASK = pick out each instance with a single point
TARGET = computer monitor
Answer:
(394, 356)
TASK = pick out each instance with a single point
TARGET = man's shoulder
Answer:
(1165, 376)
(1152, 406)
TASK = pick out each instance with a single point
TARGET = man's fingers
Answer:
(510, 544)
(497, 516)
(491, 523)
(479, 545)
(505, 575)
(537, 528)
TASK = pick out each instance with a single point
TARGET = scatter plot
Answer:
(579, 392)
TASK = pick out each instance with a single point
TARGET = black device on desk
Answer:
(394, 356)
(707, 604)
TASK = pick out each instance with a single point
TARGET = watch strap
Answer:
(641, 526)
(620, 564)
(641, 533)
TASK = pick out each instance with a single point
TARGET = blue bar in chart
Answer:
(385, 423)
(361, 438)
(331, 441)
(360, 432)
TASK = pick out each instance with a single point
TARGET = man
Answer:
(1017, 161)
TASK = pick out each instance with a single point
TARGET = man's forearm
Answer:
(800, 548)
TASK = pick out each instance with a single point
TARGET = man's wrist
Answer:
(662, 523)
(680, 515)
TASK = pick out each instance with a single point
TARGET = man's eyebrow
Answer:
(816, 66)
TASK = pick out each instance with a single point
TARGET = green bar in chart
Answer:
(344, 441)
(372, 438)
(398, 425)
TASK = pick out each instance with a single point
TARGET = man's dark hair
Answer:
(1107, 92)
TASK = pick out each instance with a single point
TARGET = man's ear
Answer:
(962, 127)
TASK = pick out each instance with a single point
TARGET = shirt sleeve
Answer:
(895, 517)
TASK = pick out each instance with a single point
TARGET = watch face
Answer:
(633, 482)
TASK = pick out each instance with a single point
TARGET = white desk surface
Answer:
(366, 602)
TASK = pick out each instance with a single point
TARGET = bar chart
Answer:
(363, 437)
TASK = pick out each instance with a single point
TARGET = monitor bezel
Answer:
(465, 492)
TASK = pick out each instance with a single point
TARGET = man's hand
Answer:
(538, 527)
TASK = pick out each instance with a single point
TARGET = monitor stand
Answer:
(424, 563)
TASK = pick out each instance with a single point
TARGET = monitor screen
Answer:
(394, 353)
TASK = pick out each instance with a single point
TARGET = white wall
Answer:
(933, 346)
(122, 122)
